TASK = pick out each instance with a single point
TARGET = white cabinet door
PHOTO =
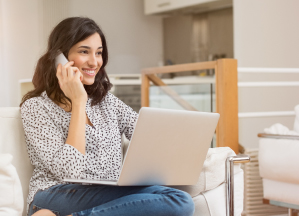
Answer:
(189, 3)
(157, 6)
(162, 6)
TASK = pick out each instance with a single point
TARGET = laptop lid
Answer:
(168, 147)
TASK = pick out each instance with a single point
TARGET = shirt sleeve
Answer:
(126, 117)
(46, 143)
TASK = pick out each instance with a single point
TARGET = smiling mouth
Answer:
(89, 72)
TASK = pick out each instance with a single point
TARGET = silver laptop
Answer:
(168, 147)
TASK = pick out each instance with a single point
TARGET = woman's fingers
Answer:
(58, 72)
(70, 63)
(81, 75)
(70, 72)
(64, 70)
(78, 74)
(68, 79)
(74, 72)
(59, 75)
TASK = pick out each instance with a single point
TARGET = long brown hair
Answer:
(65, 35)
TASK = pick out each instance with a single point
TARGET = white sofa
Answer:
(278, 165)
(278, 160)
(209, 194)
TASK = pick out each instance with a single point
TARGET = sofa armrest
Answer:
(230, 161)
(278, 159)
(277, 136)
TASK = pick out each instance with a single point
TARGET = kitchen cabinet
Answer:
(152, 7)
(198, 38)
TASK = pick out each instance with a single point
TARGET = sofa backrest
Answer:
(12, 141)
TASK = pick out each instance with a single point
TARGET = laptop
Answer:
(168, 147)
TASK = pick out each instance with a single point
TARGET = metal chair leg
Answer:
(230, 161)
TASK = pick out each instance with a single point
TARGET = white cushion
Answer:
(281, 191)
(280, 129)
(12, 141)
(213, 172)
(278, 160)
(11, 196)
(213, 202)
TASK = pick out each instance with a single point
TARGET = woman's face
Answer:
(87, 57)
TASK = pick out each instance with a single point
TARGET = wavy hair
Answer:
(65, 35)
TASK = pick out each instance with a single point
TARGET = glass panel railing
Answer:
(200, 96)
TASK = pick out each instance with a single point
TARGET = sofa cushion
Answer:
(281, 191)
(11, 196)
(280, 129)
(278, 160)
(213, 172)
(12, 141)
(212, 202)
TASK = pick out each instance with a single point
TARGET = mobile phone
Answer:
(60, 59)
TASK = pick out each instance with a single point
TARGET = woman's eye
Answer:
(84, 51)
(99, 53)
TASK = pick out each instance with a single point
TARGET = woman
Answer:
(73, 128)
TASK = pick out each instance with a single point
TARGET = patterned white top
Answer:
(46, 129)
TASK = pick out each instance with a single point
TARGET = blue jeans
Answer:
(103, 200)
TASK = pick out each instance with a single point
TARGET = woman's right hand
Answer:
(69, 79)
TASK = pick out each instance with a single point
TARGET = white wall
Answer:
(134, 40)
(266, 34)
(3, 80)
(19, 47)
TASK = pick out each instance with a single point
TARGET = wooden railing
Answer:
(226, 76)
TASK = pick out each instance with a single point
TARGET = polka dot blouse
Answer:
(46, 128)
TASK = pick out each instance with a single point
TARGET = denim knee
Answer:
(187, 207)
(182, 202)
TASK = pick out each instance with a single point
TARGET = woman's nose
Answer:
(92, 61)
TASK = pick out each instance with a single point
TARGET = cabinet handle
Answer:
(163, 4)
